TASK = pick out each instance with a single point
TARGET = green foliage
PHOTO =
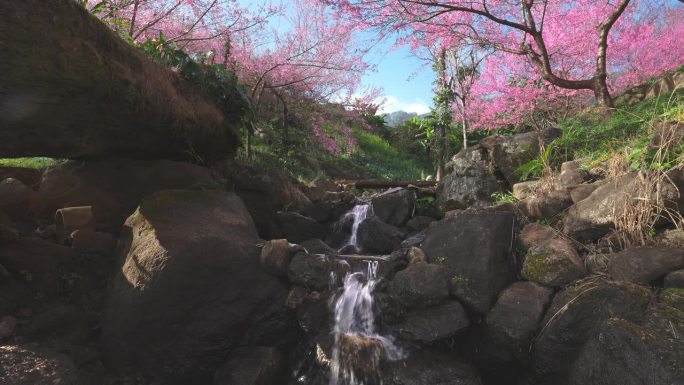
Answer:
(534, 168)
(504, 197)
(35, 163)
(381, 160)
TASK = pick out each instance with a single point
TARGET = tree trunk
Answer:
(71, 88)
(464, 122)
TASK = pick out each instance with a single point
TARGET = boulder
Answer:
(265, 194)
(517, 315)
(547, 206)
(666, 315)
(534, 234)
(114, 188)
(375, 236)
(251, 366)
(475, 246)
(310, 271)
(553, 263)
(674, 279)
(418, 223)
(317, 246)
(592, 217)
(36, 258)
(508, 153)
(8, 234)
(8, 324)
(298, 228)
(645, 264)
(319, 211)
(673, 238)
(276, 256)
(583, 191)
(177, 247)
(470, 184)
(64, 90)
(4, 275)
(93, 242)
(15, 199)
(430, 368)
(30, 365)
(527, 189)
(394, 206)
(571, 173)
(619, 352)
(433, 324)
(28, 176)
(416, 255)
(575, 311)
(420, 285)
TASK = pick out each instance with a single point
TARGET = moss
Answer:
(459, 285)
(673, 297)
(536, 267)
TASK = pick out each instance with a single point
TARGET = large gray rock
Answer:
(517, 315)
(430, 368)
(394, 206)
(475, 247)
(420, 285)
(592, 217)
(30, 365)
(433, 324)
(546, 206)
(571, 173)
(554, 262)
(534, 234)
(189, 288)
(471, 182)
(508, 153)
(375, 236)
(674, 279)
(251, 366)
(310, 271)
(645, 264)
(620, 352)
(114, 187)
(575, 311)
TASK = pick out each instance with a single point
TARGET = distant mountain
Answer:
(396, 118)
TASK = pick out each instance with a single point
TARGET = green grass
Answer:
(35, 163)
(381, 160)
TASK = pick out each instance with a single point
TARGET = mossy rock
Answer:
(553, 263)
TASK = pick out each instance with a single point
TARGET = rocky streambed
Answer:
(188, 275)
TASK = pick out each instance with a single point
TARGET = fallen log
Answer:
(385, 183)
(71, 88)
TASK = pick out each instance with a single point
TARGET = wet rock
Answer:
(395, 206)
(251, 366)
(430, 368)
(527, 189)
(620, 352)
(553, 263)
(28, 365)
(517, 315)
(298, 228)
(153, 319)
(583, 191)
(575, 311)
(433, 324)
(591, 218)
(420, 285)
(310, 271)
(276, 256)
(645, 264)
(475, 247)
(571, 173)
(418, 223)
(15, 198)
(534, 234)
(470, 184)
(674, 279)
(375, 236)
(546, 206)
(113, 187)
(317, 246)
(7, 326)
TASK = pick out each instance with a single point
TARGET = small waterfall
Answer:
(359, 213)
(358, 347)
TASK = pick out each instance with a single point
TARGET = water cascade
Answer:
(358, 348)
(359, 213)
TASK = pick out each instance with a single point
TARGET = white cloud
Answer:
(394, 104)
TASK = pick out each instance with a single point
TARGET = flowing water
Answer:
(359, 213)
(359, 348)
